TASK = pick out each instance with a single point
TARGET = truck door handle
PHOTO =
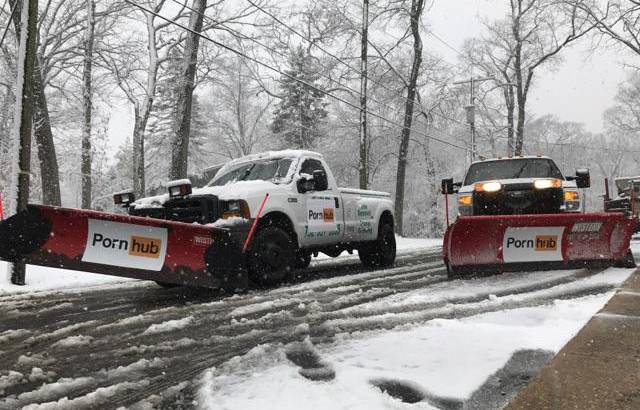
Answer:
(337, 202)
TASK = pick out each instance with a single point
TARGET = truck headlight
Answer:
(236, 208)
(488, 186)
(547, 183)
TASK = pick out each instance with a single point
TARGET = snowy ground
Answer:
(441, 359)
(339, 336)
(41, 278)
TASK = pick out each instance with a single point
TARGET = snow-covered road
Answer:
(339, 337)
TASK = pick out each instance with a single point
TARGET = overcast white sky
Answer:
(581, 89)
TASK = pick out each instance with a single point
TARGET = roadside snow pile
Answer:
(168, 326)
(42, 278)
(444, 358)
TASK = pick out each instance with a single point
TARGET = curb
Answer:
(600, 367)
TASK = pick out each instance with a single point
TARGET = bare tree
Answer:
(493, 55)
(87, 106)
(42, 126)
(240, 115)
(415, 13)
(180, 148)
(540, 29)
(363, 140)
(616, 20)
(138, 80)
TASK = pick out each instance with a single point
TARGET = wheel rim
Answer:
(388, 245)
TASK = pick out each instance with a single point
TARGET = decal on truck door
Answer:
(532, 244)
(126, 245)
(321, 217)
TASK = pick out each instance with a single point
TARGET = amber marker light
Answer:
(571, 196)
(465, 200)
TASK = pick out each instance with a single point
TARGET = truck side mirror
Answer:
(321, 182)
(583, 178)
(448, 187)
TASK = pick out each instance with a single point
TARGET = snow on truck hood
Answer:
(470, 188)
(235, 190)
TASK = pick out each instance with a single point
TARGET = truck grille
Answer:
(200, 209)
(518, 199)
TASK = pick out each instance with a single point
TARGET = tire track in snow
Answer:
(269, 316)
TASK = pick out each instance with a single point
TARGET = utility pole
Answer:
(471, 111)
(21, 167)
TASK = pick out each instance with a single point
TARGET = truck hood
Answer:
(236, 190)
(469, 188)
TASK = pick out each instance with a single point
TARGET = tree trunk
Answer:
(522, 101)
(509, 99)
(180, 149)
(364, 139)
(21, 144)
(416, 11)
(139, 125)
(49, 173)
(87, 106)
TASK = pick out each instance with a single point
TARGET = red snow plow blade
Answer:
(127, 246)
(517, 242)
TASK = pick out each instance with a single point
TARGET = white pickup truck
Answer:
(304, 212)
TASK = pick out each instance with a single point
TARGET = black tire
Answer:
(272, 256)
(303, 260)
(167, 285)
(627, 262)
(452, 273)
(382, 252)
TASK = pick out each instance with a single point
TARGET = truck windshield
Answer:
(274, 170)
(512, 169)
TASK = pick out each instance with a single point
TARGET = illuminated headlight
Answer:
(547, 183)
(488, 187)
(237, 208)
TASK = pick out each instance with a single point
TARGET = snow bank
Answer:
(446, 358)
(42, 278)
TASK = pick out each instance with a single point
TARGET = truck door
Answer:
(323, 220)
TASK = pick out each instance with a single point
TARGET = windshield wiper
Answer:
(521, 169)
(247, 172)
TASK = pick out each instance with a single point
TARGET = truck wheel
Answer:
(627, 262)
(381, 252)
(452, 273)
(303, 260)
(271, 257)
